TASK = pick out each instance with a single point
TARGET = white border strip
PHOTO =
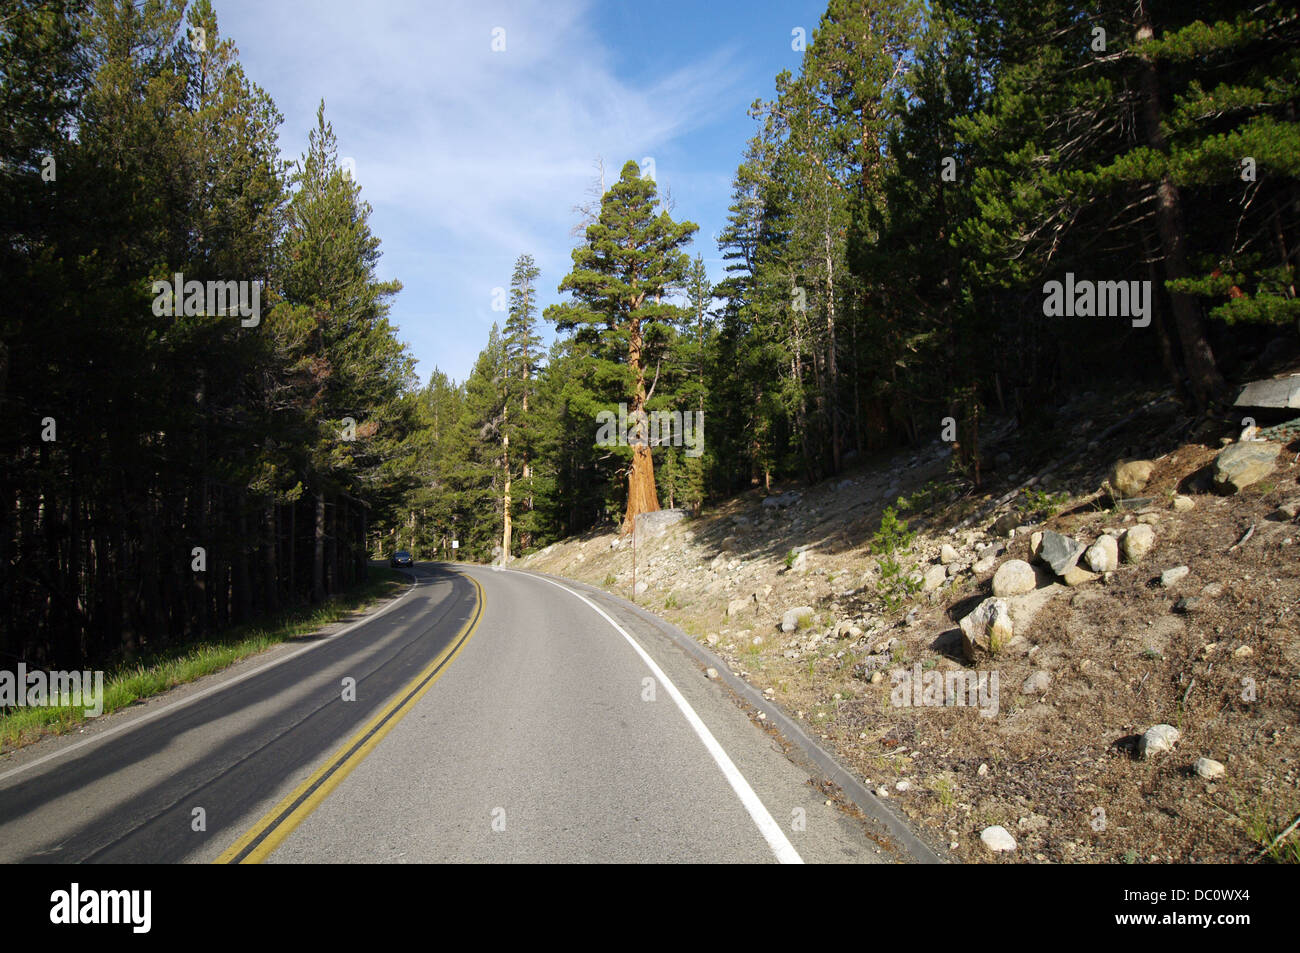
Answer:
(767, 825)
(189, 699)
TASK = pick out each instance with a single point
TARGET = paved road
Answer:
(498, 717)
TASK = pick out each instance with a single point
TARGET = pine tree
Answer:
(629, 261)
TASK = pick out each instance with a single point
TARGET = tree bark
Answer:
(1206, 381)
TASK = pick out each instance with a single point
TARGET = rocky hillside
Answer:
(1092, 656)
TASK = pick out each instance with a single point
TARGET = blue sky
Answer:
(471, 157)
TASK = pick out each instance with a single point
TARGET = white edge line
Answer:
(190, 699)
(767, 825)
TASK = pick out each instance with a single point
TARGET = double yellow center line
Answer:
(267, 834)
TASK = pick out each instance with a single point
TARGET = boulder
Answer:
(1278, 394)
(1242, 464)
(656, 523)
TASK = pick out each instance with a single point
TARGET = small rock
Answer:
(711, 673)
(1188, 604)
(1209, 769)
(1036, 684)
(1138, 541)
(1060, 552)
(1076, 575)
(998, 839)
(1129, 478)
(1013, 578)
(984, 565)
(736, 606)
(641, 587)
(1183, 503)
(712, 638)
(903, 786)
(1157, 739)
(987, 630)
(1171, 577)
(947, 554)
(983, 771)
(1006, 523)
(934, 578)
(1212, 590)
(1243, 651)
(1103, 555)
(790, 620)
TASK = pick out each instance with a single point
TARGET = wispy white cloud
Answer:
(469, 156)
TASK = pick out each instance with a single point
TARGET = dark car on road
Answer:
(401, 560)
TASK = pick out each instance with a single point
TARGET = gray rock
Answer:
(641, 588)
(799, 563)
(1171, 577)
(652, 525)
(711, 673)
(985, 564)
(1037, 683)
(1243, 464)
(947, 554)
(1060, 552)
(1157, 739)
(1103, 555)
(1013, 578)
(1282, 394)
(1183, 503)
(781, 499)
(790, 620)
(1138, 541)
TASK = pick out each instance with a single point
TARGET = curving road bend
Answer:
(499, 716)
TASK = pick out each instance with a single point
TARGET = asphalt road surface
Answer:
(483, 716)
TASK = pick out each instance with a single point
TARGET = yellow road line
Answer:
(267, 834)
